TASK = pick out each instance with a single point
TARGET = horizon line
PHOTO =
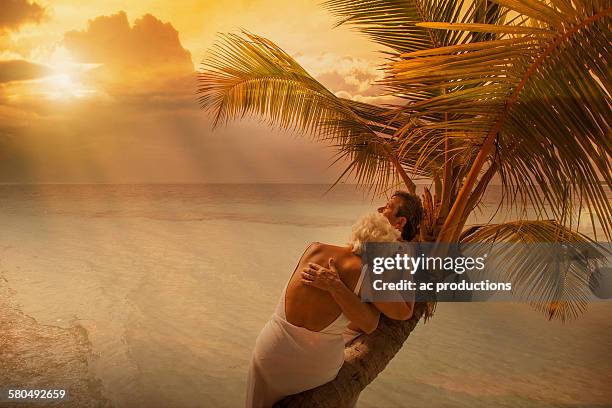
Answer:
(190, 183)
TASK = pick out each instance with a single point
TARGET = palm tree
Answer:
(513, 89)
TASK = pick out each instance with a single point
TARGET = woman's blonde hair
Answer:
(372, 227)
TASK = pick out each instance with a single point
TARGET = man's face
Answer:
(390, 212)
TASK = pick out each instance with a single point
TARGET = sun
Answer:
(62, 81)
(68, 79)
(65, 85)
(60, 85)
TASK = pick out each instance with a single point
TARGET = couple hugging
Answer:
(319, 311)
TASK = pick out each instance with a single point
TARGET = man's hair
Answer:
(412, 209)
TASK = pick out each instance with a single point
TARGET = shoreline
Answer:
(38, 356)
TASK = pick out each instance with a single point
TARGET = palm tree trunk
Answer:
(363, 360)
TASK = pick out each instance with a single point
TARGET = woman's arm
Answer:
(329, 279)
(363, 315)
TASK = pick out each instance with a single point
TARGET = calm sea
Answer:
(152, 296)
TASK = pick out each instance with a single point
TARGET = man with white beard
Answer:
(302, 345)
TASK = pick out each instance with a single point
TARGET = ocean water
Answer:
(152, 296)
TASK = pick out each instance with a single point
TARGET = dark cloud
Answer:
(15, 13)
(20, 70)
(149, 46)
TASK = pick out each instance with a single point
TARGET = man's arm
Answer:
(399, 305)
(363, 315)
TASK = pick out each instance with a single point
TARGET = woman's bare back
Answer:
(312, 308)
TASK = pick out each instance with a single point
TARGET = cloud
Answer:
(148, 47)
(20, 70)
(16, 13)
(141, 121)
(142, 65)
(346, 76)
(13, 15)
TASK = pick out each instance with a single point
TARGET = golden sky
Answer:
(103, 91)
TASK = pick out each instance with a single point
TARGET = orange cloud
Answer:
(347, 76)
(149, 46)
(16, 13)
(20, 70)
(143, 64)
(139, 120)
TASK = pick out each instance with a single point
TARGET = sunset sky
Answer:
(103, 91)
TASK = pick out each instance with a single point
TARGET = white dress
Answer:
(289, 359)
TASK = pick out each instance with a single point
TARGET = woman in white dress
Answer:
(302, 345)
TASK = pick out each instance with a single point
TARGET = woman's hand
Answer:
(321, 277)
(363, 315)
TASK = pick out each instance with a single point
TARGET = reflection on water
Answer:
(161, 291)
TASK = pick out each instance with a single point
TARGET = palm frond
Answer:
(396, 24)
(250, 75)
(388, 23)
(562, 290)
(541, 88)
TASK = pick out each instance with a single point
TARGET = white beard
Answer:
(372, 227)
